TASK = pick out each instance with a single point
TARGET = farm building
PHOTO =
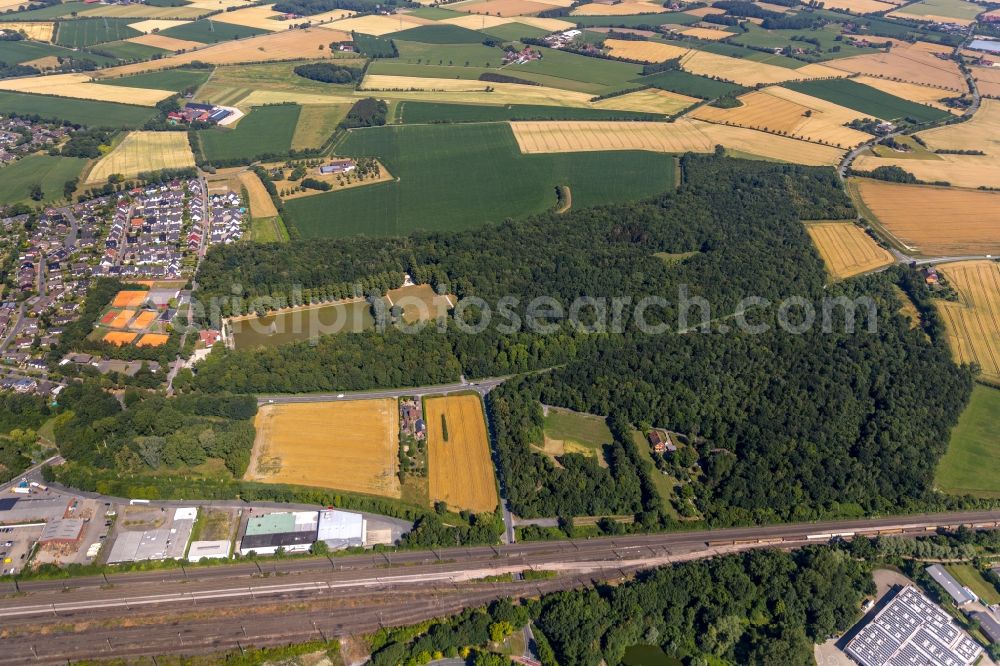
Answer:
(62, 530)
(338, 166)
(341, 529)
(961, 595)
(295, 532)
(911, 629)
(212, 550)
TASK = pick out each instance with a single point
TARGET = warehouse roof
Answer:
(62, 529)
(951, 586)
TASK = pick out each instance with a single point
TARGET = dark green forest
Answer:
(787, 425)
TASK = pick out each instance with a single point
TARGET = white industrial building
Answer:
(212, 550)
(297, 531)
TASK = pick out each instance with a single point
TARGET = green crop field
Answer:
(51, 173)
(78, 111)
(168, 79)
(23, 51)
(685, 83)
(373, 47)
(511, 32)
(951, 8)
(866, 99)
(88, 32)
(969, 466)
(673, 18)
(442, 185)
(130, 51)
(466, 55)
(209, 32)
(827, 38)
(266, 130)
(47, 13)
(443, 33)
(433, 112)
(737, 51)
(606, 75)
(435, 13)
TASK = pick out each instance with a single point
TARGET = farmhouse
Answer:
(338, 166)
(660, 441)
(198, 113)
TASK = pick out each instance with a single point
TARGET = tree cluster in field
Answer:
(328, 72)
(87, 143)
(845, 420)
(20, 416)
(154, 433)
(9, 71)
(494, 77)
(368, 112)
(311, 7)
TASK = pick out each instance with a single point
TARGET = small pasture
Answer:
(566, 431)
(969, 466)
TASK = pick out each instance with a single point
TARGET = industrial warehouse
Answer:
(296, 532)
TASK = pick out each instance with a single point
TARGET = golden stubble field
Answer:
(349, 445)
(79, 86)
(261, 204)
(935, 221)
(790, 113)
(846, 249)
(680, 136)
(144, 151)
(973, 324)
(38, 30)
(914, 64)
(460, 468)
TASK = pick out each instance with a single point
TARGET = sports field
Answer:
(119, 338)
(51, 173)
(974, 322)
(349, 445)
(789, 113)
(79, 86)
(153, 340)
(868, 100)
(935, 221)
(129, 298)
(969, 466)
(267, 130)
(680, 136)
(142, 152)
(440, 184)
(846, 249)
(460, 470)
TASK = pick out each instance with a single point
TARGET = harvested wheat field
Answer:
(39, 31)
(373, 24)
(550, 24)
(347, 445)
(626, 8)
(859, 6)
(43, 63)
(911, 91)
(958, 170)
(988, 80)
(460, 470)
(747, 72)
(13, 4)
(468, 91)
(708, 34)
(681, 136)
(935, 221)
(982, 132)
(129, 299)
(156, 24)
(164, 42)
(119, 338)
(846, 249)
(144, 151)
(477, 21)
(78, 86)
(153, 340)
(260, 201)
(702, 12)
(276, 46)
(973, 324)
(783, 111)
(651, 100)
(911, 64)
(262, 17)
(644, 51)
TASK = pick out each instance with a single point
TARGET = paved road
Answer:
(203, 609)
(482, 387)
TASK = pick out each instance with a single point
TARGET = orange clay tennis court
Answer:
(145, 318)
(122, 319)
(110, 316)
(119, 338)
(129, 299)
(153, 340)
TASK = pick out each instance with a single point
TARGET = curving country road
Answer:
(275, 601)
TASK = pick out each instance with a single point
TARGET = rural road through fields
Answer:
(482, 387)
(210, 608)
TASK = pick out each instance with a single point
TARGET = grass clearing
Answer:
(268, 230)
(440, 186)
(567, 431)
(970, 577)
(50, 173)
(419, 302)
(663, 483)
(460, 469)
(143, 152)
(934, 221)
(969, 465)
(346, 445)
(317, 124)
(973, 323)
(264, 131)
(171, 79)
(846, 249)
